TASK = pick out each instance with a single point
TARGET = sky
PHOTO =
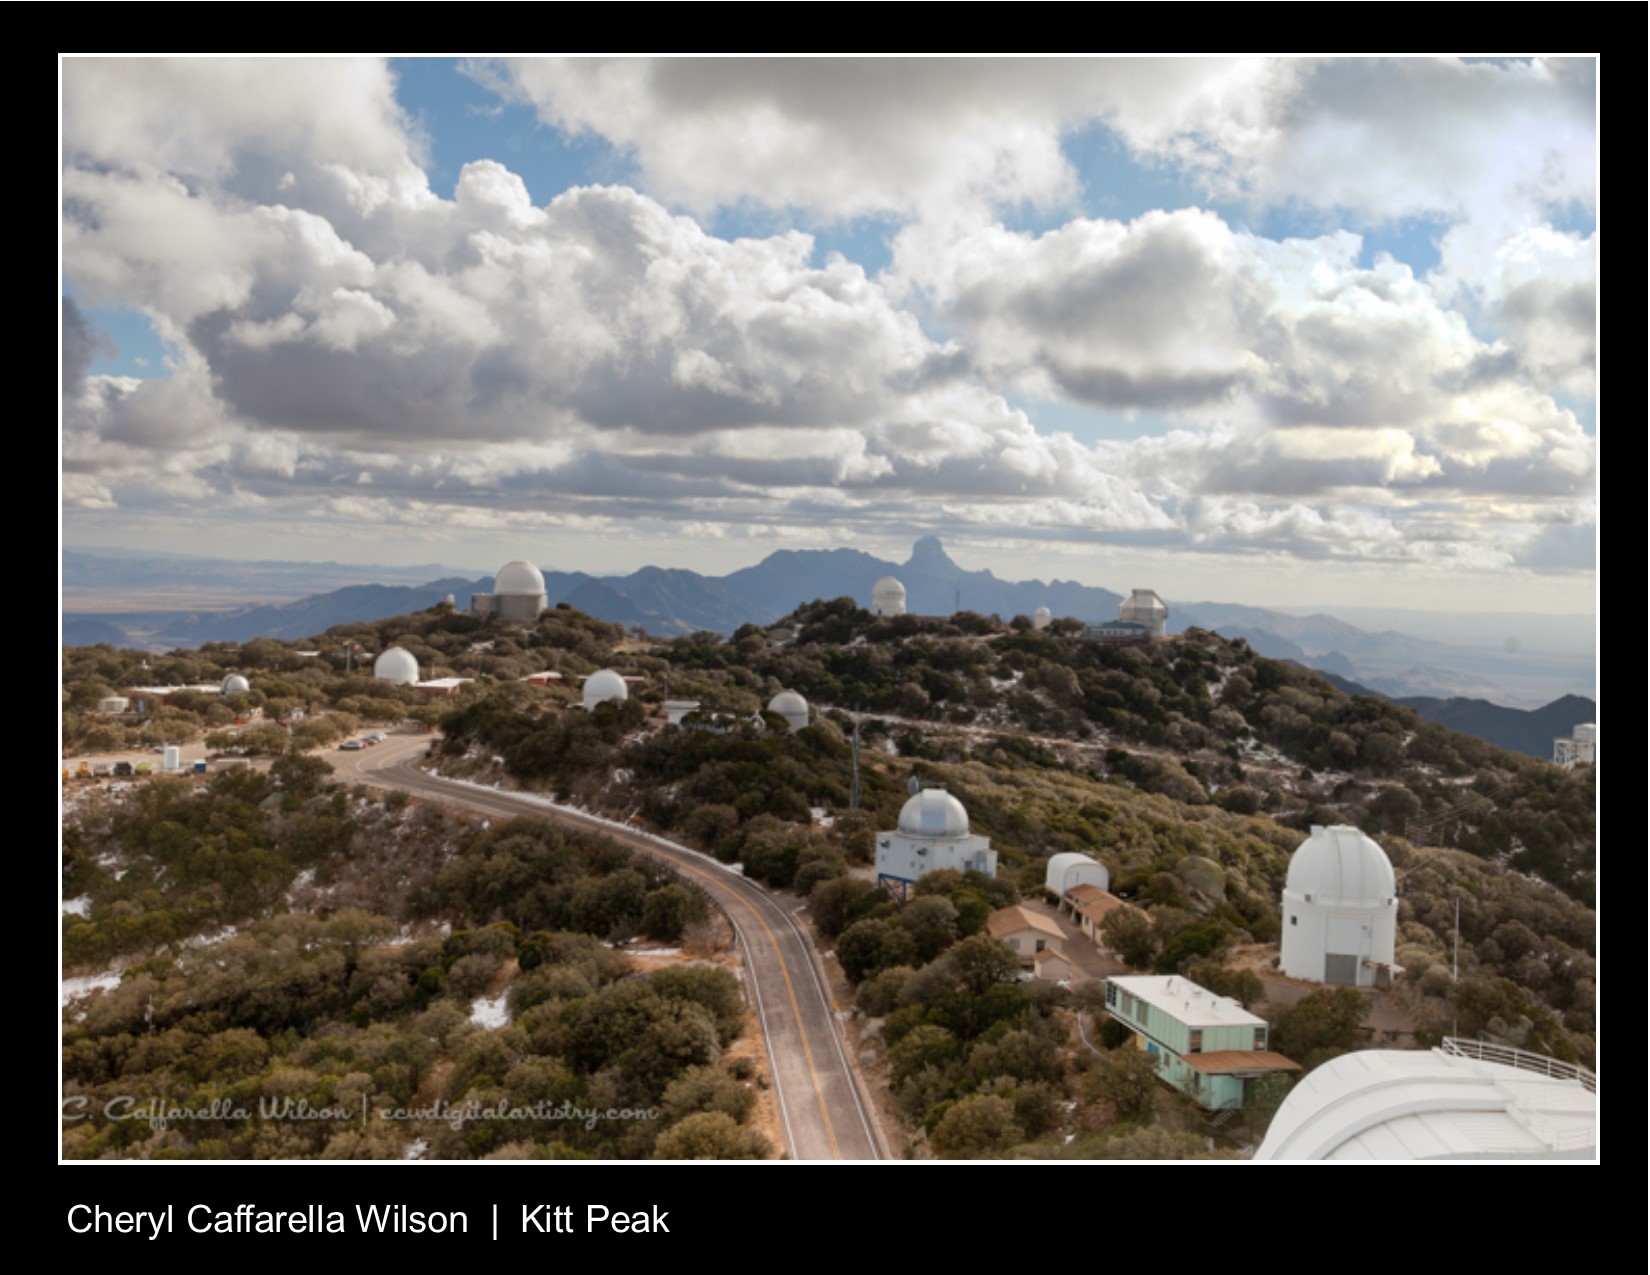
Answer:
(1250, 329)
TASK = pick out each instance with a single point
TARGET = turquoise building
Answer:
(1208, 1047)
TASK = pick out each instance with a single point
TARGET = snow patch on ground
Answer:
(415, 1149)
(72, 989)
(490, 1013)
(79, 907)
(823, 817)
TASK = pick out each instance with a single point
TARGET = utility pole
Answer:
(855, 792)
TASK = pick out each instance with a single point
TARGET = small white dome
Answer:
(1068, 870)
(792, 707)
(396, 665)
(235, 684)
(1341, 865)
(520, 578)
(1040, 618)
(599, 688)
(933, 812)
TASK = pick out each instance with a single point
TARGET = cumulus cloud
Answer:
(352, 345)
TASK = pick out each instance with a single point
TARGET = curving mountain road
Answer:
(820, 1106)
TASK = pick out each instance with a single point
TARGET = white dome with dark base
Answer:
(234, 684)
(519, 578)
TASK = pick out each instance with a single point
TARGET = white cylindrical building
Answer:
(1340, 910)
(932, 834)
(1069, 870)
(1041, 618)
(792, 707)
(396, 666)
(888, 597)
(234, 684)
(1145, 607)
(605, 687)
(518, 593)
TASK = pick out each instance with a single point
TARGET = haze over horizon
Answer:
(1275, 331)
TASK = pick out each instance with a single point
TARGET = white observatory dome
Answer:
(1069, 870)
(888, 597)
(792, 707)
(396, 665)
(519, 578)
(1341, 865)
(605, 686)
(1040, 618)
(933, 812)
(234, 684)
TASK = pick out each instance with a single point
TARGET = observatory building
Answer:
(1580, 747)
(932, 834)
(604, 687)
(518, 593)
(792, 707)
(1146, 608)
(1041, 618)
(234, 684)
(1070, 870)
(1340, 910)
(887, 597)
(1465, 1100)
(396, 666)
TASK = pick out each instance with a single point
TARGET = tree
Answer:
(977, 1126)
(1321, 1025)
(710, 1135)
(1129, 933)
(868, 947)
(982, 962)
(1124, 1082)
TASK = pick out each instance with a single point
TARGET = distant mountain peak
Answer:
(928, 554)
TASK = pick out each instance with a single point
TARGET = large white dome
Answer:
(396, 665)
(792, 707)
(933, 812)
(520, 578)
(599, 688)
(1041, 617)
(889, 588)
(1341, 865)
(234, 684)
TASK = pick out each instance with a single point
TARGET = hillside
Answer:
(1190, 767)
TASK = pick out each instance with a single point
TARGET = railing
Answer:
(1507, 1056)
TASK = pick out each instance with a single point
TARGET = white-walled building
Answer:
(604, 687)
(1340, 910)
(1145, 607)
(1067, 871)
(932, 834)
(518, 593)
(1578, 748)
(888, 597)
(792, 707)
(1041, 618)
(396, 666)
(1465, 1100)
(1027, 932)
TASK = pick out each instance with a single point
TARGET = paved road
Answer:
(820, 1107)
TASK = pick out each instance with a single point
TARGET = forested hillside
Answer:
(1191, 767)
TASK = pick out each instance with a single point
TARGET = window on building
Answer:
(1041, 945)
(1196, 1045)
(1260, 1038)
(1293, 919)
